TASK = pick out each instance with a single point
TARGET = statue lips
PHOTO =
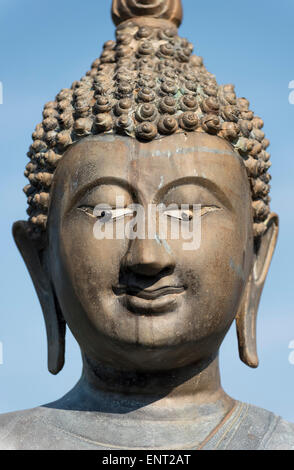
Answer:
(149, 301)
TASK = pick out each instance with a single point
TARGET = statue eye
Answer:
(106, 215)
(187, 215)
(87, 210)
(103, 215)
(184, 215)
(206, 209)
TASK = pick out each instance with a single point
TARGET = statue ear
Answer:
(247, 314)
(35, 260)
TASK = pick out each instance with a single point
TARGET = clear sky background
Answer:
(47, 45)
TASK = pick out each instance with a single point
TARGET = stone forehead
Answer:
(180, 144)
(123, 157)
(94, 161)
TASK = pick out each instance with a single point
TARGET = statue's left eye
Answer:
(184, 215)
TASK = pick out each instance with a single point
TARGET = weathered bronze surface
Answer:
(148, 125)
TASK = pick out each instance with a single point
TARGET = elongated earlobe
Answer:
(246, 327)
(247, 315)
(36, 264)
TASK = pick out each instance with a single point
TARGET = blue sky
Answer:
(47, 45)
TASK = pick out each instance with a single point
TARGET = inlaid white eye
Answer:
(184, 215)
(105, 215)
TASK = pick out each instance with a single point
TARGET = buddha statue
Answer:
(148, 125)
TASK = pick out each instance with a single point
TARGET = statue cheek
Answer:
(83, 251)
(215, 277)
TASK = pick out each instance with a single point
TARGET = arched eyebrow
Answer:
(104, 180)
(197, 181)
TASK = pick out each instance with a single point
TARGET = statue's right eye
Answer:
(105, 215)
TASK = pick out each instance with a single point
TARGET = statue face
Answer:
(150, 304)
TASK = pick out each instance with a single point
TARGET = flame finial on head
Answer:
(171, 10)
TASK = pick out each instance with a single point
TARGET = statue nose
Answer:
(150, 257)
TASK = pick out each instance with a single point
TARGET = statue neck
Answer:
(193, 386)
(147, 410)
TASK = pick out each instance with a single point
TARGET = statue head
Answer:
(148, 125)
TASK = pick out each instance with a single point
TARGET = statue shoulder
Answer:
(282, 436)
(278, 434)
(248, 428)
(34, 429)
(252, 428)
(41, 428)
(265, 430)
(18, 428)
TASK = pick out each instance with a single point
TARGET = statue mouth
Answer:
(149, 301)
(148, 294)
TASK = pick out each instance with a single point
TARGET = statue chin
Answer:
(149, 233)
